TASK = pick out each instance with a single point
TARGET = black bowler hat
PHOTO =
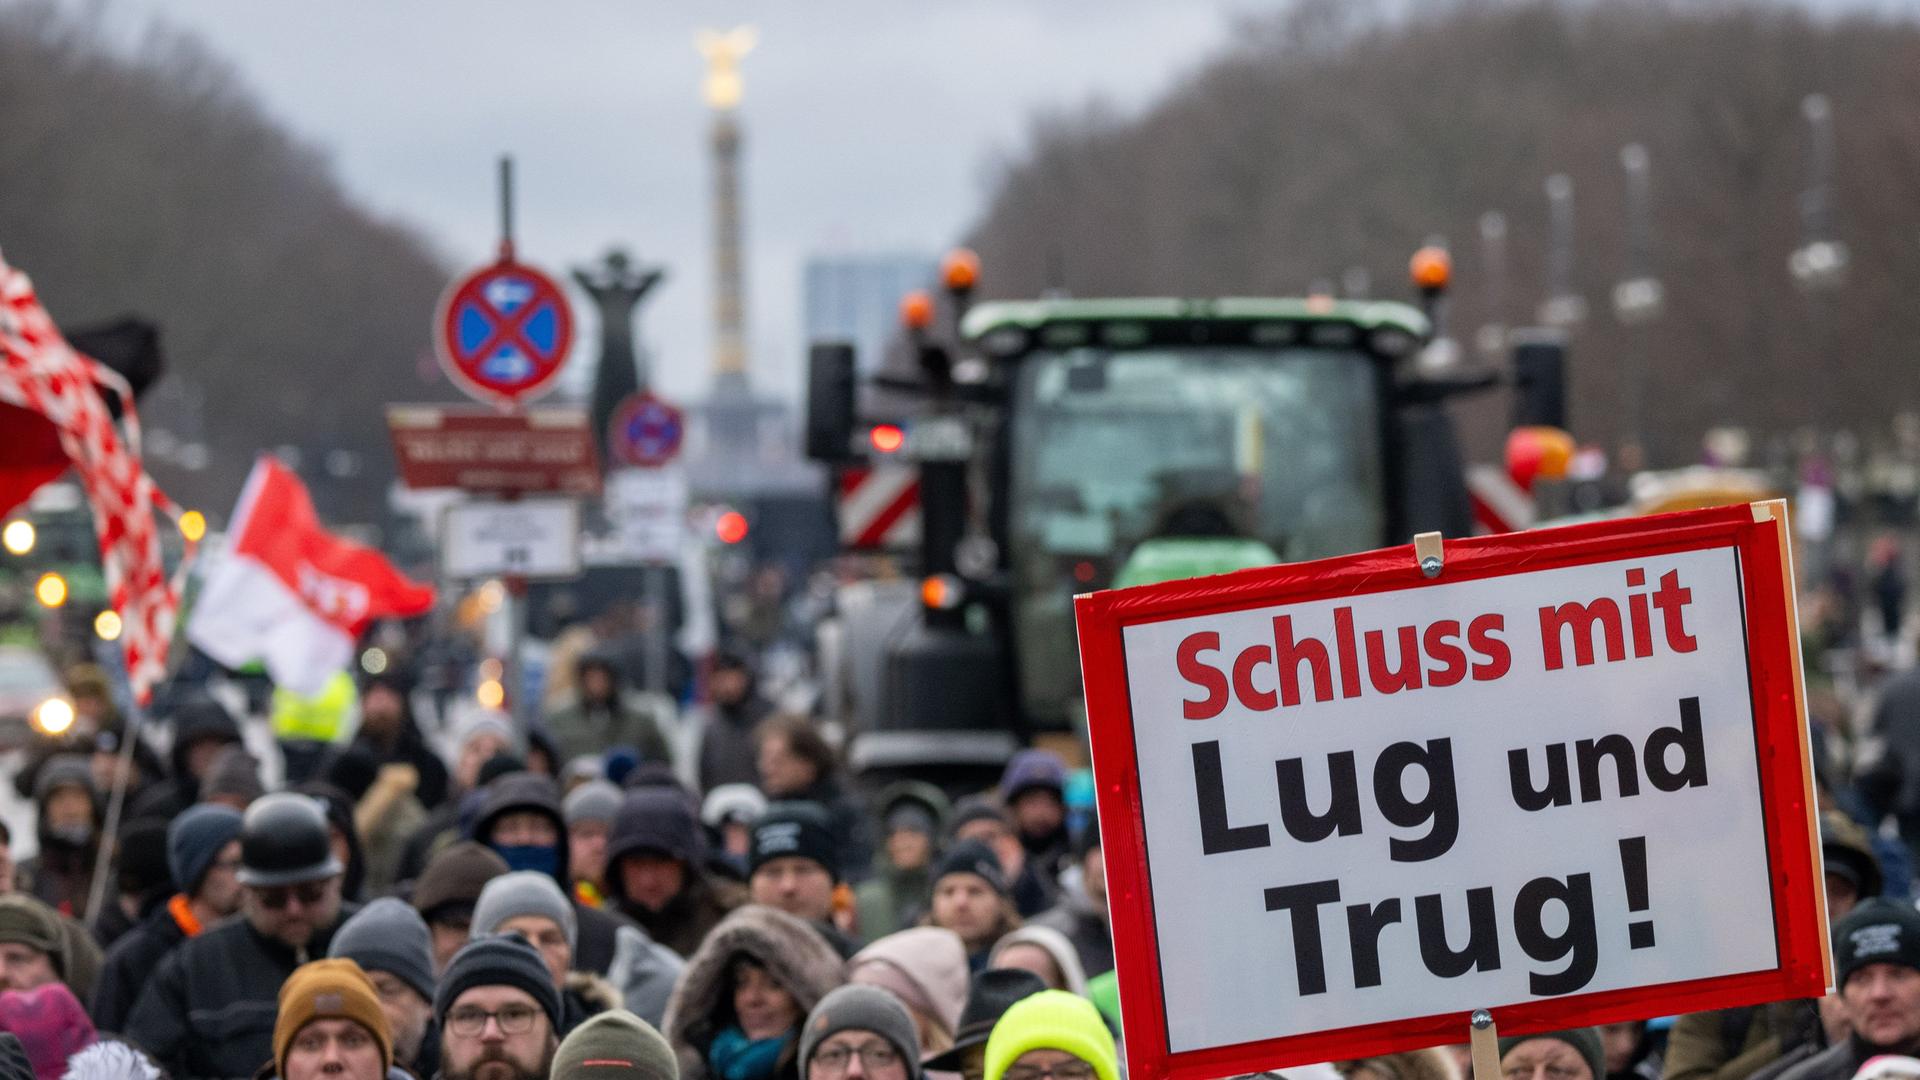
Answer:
(993, 992)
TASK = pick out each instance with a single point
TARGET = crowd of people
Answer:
(514, 901)
(565, 898)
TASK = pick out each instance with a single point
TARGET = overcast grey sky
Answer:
(870, 124)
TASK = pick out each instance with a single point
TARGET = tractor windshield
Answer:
(1112, 449)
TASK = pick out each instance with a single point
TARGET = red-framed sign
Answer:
(502, 332)
(1343, 805)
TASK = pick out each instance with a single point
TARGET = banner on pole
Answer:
(1567, 780)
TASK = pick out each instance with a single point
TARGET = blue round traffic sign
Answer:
(503, 332)
(645, 431)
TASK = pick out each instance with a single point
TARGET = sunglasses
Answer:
(279, 896)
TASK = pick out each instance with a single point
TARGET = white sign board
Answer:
(1534, 788)
(534, 538)
(648, 508)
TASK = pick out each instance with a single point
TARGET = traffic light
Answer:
(731, 527)
(887, 438)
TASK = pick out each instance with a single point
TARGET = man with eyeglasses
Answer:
(1052, 1035)
(859, 1032)
(210, 1009)
(203, 857)
(330, 1025)
(498, 1012)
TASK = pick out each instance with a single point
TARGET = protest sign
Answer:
(1344, 804)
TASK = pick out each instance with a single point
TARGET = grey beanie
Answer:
(1585, 1042)
(862, 1008)
(595, 800)
(615, 1043)
(524, 892)
(194, 840)
(388, 935)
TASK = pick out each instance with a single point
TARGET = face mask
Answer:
(71, 835)
(541, 858)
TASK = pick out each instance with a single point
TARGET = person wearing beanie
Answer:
(797, 765)
(1044, 951)
(521, 819)
(1051, 1032)
(589, 811)
(385, 810)
(1876, 972)
(202, 848)
(970, 898)
(391, 943)
(737, 1013)
(863, 1023)
(925, 967)
(68, 827)
(911, 815)
(792, 863)
(33, 944)
(1573, 1054)
(142, 881)
(496, 1004)
(991, 994)
(615, 1045)
(50, 1025)
(208, 1010)
(1033, 789)
(329, 1023)
(655, 874)
(978, 817)
(446, 891)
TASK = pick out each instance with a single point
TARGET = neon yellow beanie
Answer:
(1052, 1020)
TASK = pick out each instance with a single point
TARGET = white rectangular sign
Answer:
(648, 508)
(534, 538)
(1532, 788)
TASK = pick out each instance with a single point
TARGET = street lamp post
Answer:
(1563, 308)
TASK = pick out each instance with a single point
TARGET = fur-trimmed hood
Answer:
(792, 952)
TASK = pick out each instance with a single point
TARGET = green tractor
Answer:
(1065, 446)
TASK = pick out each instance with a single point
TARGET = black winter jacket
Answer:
(129, 964)
(208, 1012)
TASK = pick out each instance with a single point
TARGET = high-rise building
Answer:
(856, 298)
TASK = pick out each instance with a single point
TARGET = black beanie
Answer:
(976, 858)
(793, 828)
(499, 960)
(1875, 932)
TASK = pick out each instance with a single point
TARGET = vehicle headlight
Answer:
(53, 716)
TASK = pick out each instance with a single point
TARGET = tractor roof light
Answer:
(1431, 269)
(960, 270)
(916, 311)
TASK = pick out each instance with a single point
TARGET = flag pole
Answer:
(110, 833)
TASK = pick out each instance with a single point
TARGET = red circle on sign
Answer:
(502, 332)
(645, 431)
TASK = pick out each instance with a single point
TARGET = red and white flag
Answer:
(45, 383)
(291, 594)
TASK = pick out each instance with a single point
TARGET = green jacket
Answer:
(578, 729)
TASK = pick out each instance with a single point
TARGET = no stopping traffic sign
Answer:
(503, 332)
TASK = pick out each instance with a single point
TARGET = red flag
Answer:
(292, 594)
(40, 374)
